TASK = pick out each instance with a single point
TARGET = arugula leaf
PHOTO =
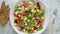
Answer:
(16, 8)
(39, 28)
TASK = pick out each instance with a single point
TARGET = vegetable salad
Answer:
(29, 16)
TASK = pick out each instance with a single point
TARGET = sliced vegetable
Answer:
(38, 5)
(15, 21)
(35, 14)
(23, 14)
(25, 4)
(39, 28)
(31, 31)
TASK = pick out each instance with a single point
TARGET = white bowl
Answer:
(46, 21)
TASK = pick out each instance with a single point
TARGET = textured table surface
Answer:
(51, 4)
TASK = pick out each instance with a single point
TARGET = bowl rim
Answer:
(10, 17)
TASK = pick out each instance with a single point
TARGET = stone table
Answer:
(51, 5)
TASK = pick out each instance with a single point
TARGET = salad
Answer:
(29, 16)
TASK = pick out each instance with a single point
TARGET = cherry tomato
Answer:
(21, 28)
(23, 14)
(25, 4)
(35, 14)
(20, 19)
(19, 25)
(39, 22)
(16, 15)
(31, 31)
(15, 21)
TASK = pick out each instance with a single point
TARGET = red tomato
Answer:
(39, 22)
(16, 15)
(15, 21)
(23, 14)
(31, 31)
(20, 19)
(25, 4)
(35, 14)
(19, 25)
(21, 28)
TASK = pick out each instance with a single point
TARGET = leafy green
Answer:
(30, 16)
(40, 27)
(16, 8)
(42, 11)
(21, 22)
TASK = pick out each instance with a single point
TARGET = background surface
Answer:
(51, 5)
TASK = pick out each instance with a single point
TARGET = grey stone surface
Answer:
(51, 5)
